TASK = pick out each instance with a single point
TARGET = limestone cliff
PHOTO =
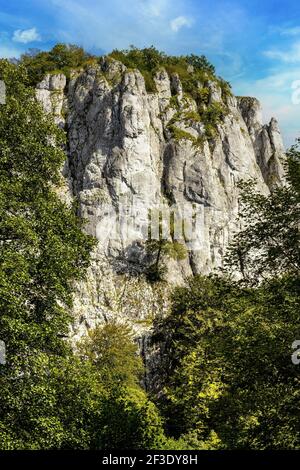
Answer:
(132, 153)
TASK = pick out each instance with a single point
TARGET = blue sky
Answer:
(253, 44)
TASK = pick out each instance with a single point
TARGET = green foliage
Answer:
(191, 116)
(42, 251)
(292, 166)
(114, 354)
(48, 402)
(61, 58)
(131, 421)
(191, 69)
(228, 352)
(67, 57)
(159, 249)
(43, 248)
(179, 134)
(214, 113)
(199, 63)
(211, 116)
(128, 419)
(151, 59)
(143, 59)
(174, 102)
(225, 89)
(52, 402)
(269, 243)
(146, 60)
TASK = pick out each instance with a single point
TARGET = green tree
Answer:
(269, 243)
(227, 351)
(149, 60)
(43, 248)
(200, 63)
(160, 249)
(62, 57)
(114, 354)
(63, 403)
(49, 402)
(129, 419)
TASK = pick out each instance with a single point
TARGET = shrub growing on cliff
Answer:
(62, 57)
(191, 68)
(162, 248)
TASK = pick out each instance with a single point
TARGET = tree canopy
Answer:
(61, 58)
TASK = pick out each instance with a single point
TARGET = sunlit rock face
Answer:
(126, 164)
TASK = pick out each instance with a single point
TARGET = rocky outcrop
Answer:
(133, 155)
(50, 92)
(267, 141)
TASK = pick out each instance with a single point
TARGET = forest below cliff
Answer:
(228, 370)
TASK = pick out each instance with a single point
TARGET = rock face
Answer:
(133, 155)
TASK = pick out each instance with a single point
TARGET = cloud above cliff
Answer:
(116, 24)
(179, 22)
(154, 8)
(291, 55)
(26, 36)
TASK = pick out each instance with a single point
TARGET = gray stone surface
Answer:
(121, 157)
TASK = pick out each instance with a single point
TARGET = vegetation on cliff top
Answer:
(61, 58)
(148, 61)
(194, 72)
(191, 69)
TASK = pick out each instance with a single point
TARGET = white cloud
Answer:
(291, 56)
(26, 35)
(179, 22)
(94, 24)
